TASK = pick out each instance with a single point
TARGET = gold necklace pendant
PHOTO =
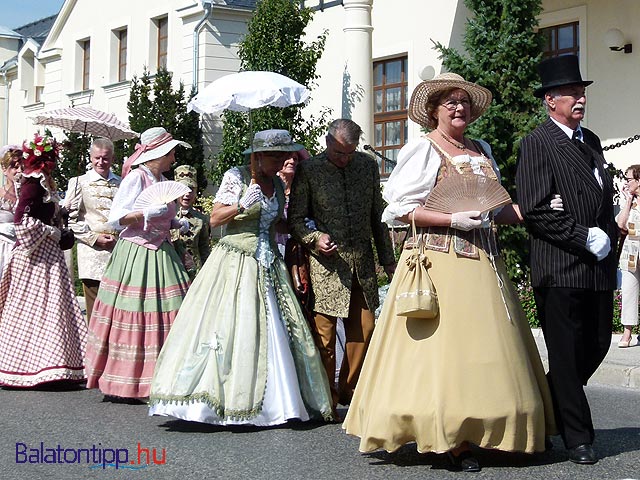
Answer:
(451, 141)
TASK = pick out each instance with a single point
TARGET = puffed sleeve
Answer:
(411, 181)
(230, 187)
(130, 188)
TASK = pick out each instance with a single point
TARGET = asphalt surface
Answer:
(80, 419)
(73, 433)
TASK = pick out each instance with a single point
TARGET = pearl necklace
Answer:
(451, 141)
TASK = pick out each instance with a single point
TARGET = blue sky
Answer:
(15, 13)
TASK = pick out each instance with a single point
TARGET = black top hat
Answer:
(559, 71)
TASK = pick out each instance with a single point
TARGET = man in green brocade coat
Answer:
(340, 191)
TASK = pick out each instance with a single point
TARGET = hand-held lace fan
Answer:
(466, 192)
(160, 193)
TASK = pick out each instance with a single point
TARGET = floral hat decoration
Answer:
(273, 140)
(40, 154)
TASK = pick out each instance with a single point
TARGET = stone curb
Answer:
(612, 372)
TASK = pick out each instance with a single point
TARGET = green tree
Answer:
(74, 158)
(502, 50)
(274, 42)
(154, 103)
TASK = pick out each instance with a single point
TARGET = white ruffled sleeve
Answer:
(230, 187)
(411, 181)
(130, 188)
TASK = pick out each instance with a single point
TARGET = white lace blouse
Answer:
(230, 192)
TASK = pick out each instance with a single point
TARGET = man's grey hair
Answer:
(551, 92)
(102, 142)
(347, 129)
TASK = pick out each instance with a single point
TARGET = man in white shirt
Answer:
(88, 201)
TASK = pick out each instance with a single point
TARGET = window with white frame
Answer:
(162, 25)
(563, 39)
(122, 54)
(390, 90)
(85, 47)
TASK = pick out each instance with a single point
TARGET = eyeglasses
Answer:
(344, 154)
(629, 179)
(453, 104)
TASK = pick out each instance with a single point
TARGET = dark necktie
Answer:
(576, 138)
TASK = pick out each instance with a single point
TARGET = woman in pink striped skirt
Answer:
(144, 282)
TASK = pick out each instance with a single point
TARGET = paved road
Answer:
(80, 419)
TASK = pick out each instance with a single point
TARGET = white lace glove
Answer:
(556, 203)
(53, 232)
(184, 225)
(154, 211)
(466, 221)
(598, 243)
(252, 196)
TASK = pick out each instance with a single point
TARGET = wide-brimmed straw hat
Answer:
(273, 141)
(154, 143)
(480, 96)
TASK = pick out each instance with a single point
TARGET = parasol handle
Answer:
(253, 167)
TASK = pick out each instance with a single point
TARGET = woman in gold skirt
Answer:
(471, 375)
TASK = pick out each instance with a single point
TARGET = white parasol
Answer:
(245, 91)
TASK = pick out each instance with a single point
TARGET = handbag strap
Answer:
(418, 241)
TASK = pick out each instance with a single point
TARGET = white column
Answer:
(357, 79)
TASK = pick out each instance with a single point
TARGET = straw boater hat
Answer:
(273, 141)
(480, 96)
(154, 143)
(187, 175)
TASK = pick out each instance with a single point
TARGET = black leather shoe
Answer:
(465, 462)
(548, 444)
(583, 454)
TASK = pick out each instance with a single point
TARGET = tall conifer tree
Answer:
(274, 43)
(502, 50)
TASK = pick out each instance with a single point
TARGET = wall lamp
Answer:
(614, 39)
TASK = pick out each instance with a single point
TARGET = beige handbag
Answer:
(415, 295)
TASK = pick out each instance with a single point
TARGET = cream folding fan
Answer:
(160, 193)
(461, 193)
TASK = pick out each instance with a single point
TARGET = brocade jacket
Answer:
(88, 200)
(347, 204)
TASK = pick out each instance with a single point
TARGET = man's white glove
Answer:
(184, 225)
(154, 211)
(466, 221)
(53, 232)
(598, 243)
(556, 203)
(252, 196)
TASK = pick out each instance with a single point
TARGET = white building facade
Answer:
(377, 51)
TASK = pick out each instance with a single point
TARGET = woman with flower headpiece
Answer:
(471, 375)
(144, 282)
(11, 163)
(42, 330)
(240, 351)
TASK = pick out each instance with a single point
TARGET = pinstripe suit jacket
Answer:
(550, 163)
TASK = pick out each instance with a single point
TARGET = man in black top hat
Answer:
(573, 264)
